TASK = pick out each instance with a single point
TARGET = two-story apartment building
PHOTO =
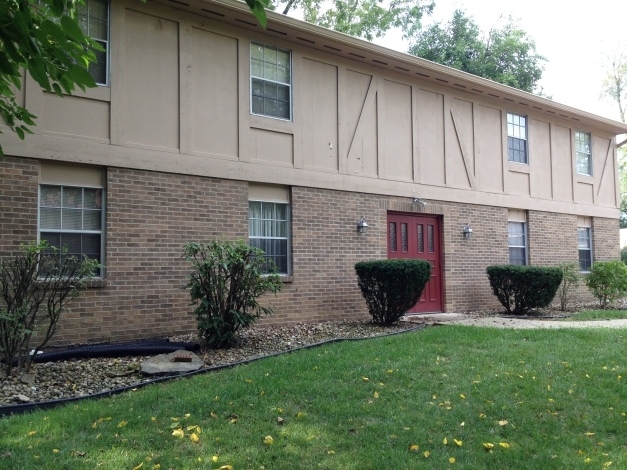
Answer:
(205, 125)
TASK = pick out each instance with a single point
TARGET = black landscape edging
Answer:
(47, 405)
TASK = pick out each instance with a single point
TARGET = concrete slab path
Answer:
(503, 322)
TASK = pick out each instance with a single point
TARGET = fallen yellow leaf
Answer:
(607, 464)
(178, 433)
(451, 459)
(268, 440)
(187, 415)
(587, 460)
(426, 454)
(504, 445)
(280, 410)
(226, 467)
(376, 394)
(153, 419)
(365, 379)
(139, 466)
(156, 466)
(413, 448)
(214, 458)
(481, 415)
(589, 434)
(330, 452)
(301, 414)
(32, 433)
(459, 443)
(444, 441)
(55, 451)
(194, 437)
(462, 396)
(488, 445)
(122, 424)
(503, 422)
(390, 371)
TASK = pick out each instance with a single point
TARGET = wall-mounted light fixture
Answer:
(467, 231)
(417, 200)
(362, 226)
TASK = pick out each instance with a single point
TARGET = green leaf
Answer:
(37, 70)
(57, 89)
(56, 7)
(7, 67)
(54, 31)
(19, 132)
(81, 76)
(71, 28)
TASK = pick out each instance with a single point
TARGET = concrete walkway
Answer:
(518, 323)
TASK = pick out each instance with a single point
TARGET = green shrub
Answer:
(225, 286)
(35, 286)
(570, 279)
(623, 254)
(520, 288)
(392, 286)
(607, 280)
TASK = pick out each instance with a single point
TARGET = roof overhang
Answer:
(340, 44)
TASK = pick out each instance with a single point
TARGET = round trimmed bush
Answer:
(392, 286)
(521, 288)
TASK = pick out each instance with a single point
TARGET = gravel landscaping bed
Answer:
(77, 377)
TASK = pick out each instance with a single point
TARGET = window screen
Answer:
(270, 81)
(268, 229)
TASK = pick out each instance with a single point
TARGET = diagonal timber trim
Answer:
(464, 150)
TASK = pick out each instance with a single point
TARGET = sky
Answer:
(573, 36)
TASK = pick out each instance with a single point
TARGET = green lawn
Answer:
(598, 315)
(554, 398)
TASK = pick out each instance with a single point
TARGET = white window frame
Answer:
(525, 246)
(589, 248)
(101, 232)
(107, 42)
(510, 127)
(589, 153)
(250, 84)
(288, 236)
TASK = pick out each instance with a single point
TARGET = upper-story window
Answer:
(584, 153)
(270, 81)
(93, 18)
(517, 138)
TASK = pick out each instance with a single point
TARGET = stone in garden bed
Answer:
(164, 364)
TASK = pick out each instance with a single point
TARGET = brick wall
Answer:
(150, 215)
(18, 203)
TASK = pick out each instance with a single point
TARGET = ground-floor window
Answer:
(584, 241)
(269, 230)
(517, 232)
(72, 218)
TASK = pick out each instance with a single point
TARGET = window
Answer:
(517, 138)
(268, 229)
(72, 217)
(584, 153)
(584, 239)
(517, 243)
(270, 81)
(93, 18)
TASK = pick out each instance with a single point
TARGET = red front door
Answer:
(418, 236)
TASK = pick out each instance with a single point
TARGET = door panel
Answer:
(414, 236)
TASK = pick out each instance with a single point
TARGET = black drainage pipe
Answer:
(48, 405)
(140, 348)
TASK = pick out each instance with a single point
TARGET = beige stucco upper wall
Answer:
(179, 102)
